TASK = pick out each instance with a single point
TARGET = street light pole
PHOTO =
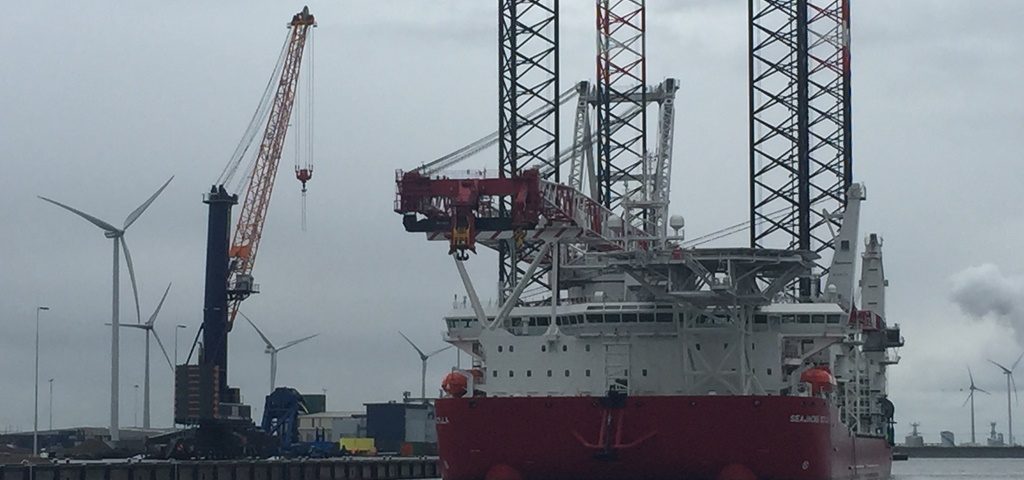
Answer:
(35, 415)
(51, 404)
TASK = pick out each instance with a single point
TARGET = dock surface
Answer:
(345, 468)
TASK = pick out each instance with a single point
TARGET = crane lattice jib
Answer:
(249, 229)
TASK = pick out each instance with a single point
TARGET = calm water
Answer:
(959, 469)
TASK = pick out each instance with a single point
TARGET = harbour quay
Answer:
(346, 468)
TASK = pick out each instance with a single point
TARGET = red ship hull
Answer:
(652, 438)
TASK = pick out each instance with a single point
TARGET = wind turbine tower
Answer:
(970, 398)
(1011, 385)
(117, 235)
(272, 350)
(148, 328)
(423, 370)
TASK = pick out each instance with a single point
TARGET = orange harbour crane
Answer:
(249, 229)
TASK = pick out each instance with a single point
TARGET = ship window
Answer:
(612, 318)
(753, 346)
(549, 373)
(511, 374)
(844, 245)
(643, 372)
(761, 318)
(587, 372)
(567, 373)
(774, 319)
(587, 347)
(789, 319)
(451, 323)
(803, 319)
(769, 371)
(467, 322)
(698, 347)
(543, 321)
(511, 348)
(628, 318)
(594, 318)
(543, 348)
(664, 307)
(529, 373)
(725, 346)
(499, 348)
(532, 322)
(495, 374)
(560, 321)
(833, 319)
(613, 307)
(664, 317)
(646, 317)
(565, 348)
(817, 318)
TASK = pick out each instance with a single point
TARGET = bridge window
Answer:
(646, 317)
(594, 318)
(529, 373)
(613, 318)
(549, 373)
(511, 374)
(628, 318)
(587, 372)
(833, 319)
(567, 373)
(664, 317)
(760, 318)
(789, 319)
(451, 323)
(803, 318)
(817, 318)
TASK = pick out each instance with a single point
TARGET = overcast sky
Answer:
(101, 102)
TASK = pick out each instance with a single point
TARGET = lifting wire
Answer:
(304, 136)
(259, 118)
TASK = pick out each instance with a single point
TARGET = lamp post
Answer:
(35, 415)
(176, 328)
(51, 404)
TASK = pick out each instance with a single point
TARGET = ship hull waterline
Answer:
(714, 437)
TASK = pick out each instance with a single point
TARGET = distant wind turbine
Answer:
(423, 359)
(273, 351)
(1010, 385)
(970, 398)
(148, 328)
(117, 234)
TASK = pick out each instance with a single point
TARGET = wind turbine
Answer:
(423, 358)
(1010, 385)
(970, 398)
(117, 234)
(148, 328)
(273, 351)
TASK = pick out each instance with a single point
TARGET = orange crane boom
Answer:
(249, 229)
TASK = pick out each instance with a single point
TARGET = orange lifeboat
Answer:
(820, 378)
(455, 385)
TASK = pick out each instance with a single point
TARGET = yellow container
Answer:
(358, 445)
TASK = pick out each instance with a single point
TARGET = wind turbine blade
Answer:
(258, 331)
(1006, 370)
(162, 349)
(296, 342)
(969, 374)
(132, 217)
(93, 220)
(1013, 383)
(1018, 361)
(982, 391)
(435, 352)
(152, 318)
(422, 355)
(967, 399)
(131, 274)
